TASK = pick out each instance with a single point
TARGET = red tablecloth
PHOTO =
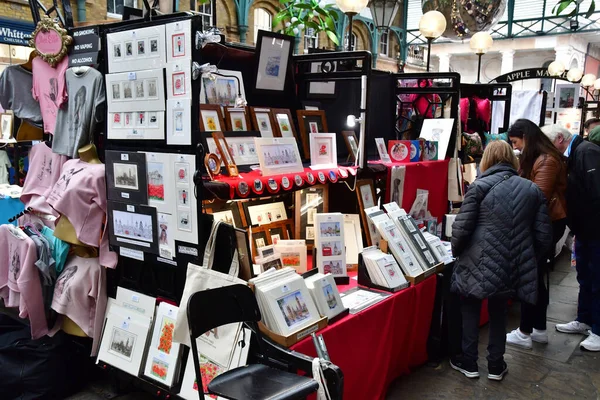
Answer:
(379, 344)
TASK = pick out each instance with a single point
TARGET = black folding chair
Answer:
(210, 309)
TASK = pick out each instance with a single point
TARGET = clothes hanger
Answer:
(28, 65)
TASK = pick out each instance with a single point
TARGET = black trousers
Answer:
(471, 313)
(534, 315)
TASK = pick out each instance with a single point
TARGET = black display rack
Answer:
(364, 279)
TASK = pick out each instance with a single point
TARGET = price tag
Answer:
(131, 208)
(125, 195)
(132, 76)
(125, 157)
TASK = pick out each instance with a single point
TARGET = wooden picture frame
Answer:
(285, 128)
(304, 220)
(238, 125)
(283, 228)
(245, 139)
(226, 155)
(220, 206)
(349, 139)
(365, 188)
(259, 116)
(219, 124)
(308, 121)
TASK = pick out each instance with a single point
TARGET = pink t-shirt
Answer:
(80, 195)
(20, 284)
(49, 89)
(44, 171)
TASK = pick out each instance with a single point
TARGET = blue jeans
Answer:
(587, 255)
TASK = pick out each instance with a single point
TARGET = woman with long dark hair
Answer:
(544, 165)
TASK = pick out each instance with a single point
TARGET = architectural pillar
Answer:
(563, 54)
(508, 58)
(444, 62)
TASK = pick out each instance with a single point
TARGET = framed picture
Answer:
(184, 167)
(330, 244)
(241, 145)
(225, 153)
(179, 40)
(228, 212)
(266, 213)
(284, 122)
(179, 121)
(310, 122)
(567, 95)
(323, 150)
(237, 119)
(137, 91)
(365, 191)
(133, 226)
(6, 127)
(278, 156)
(262, 120)
(126, 178)
(211, 118)
(223, 90)
(136, 125)
(308, 203)
(353, 238)
(136, 49)
(212, 163)
(179, 79)
(438, 130)
(264, 235)
(273, 55)
(352, 144)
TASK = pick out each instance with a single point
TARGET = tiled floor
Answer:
(558, 370)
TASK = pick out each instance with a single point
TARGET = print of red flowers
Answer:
(156, 192)
(159, 371)
(166, 338)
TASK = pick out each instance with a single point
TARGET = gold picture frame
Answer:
(50, 41)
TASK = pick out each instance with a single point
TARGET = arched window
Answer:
(262, 20)
(352, 42)
(205, 11)
(384, 43)
(311, 39)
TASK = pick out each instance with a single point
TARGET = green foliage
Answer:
(297, 15)
(563, 4)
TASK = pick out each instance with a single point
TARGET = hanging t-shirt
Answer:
(75, 121)
(15, 94)
(49, 89)
(4, 166)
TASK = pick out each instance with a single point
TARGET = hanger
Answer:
(19, 215)
(80, 70)
(28, 65)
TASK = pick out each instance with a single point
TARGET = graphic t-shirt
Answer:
(15, 94)
(4, 166)
(49, 89)
(75, 121)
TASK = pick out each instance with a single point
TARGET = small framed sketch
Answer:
(365, 191)
(323, 150)
(133, 226)
(241, 145)
(229, 212)
(179, 123)
(263, 121)
(223, 90)
(225, 153)
(179, 80)
(310, 122)
(6, 127)
(179, 40)
(278, 156)
(136, 91)
(352, 144)
(126, 178)
(211, 118)
(264, 212)
(273, 55)
(308, 203)
(136, 49)
(237, 119)
(284, 122)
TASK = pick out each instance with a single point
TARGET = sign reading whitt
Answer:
(15, 32)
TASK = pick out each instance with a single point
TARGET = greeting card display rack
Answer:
(342, 314)
(364, 279)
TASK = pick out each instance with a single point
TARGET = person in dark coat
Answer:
(500, 235)
(583, 218)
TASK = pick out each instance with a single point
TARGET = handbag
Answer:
(200, 278)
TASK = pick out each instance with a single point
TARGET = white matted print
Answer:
(265, 214)
(330, 243)
(133, 226)
(278, 155)
(136, 125)
(126, 176)
(184, 166)
(273, 63)
(163, 353)
(166, 235)
(160, 185)
(179, 40)
(242, 149)
(323, 150)
(238, 120)
(221, 90)
(136, 49)
(438, 130)
(140, 91)
(179, 79)
(210, 118)
(285, 125)
(179, 127)
(263, 120)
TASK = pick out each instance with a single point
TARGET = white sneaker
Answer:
(517, 338)
(539, 336)
(573, 327)
(592, 343)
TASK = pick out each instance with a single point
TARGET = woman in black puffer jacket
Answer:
(502, 231)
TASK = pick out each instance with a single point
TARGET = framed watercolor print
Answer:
(237, 119)
(229, 212)
(266, 213)
(136, 91)
(6, 127)
(126, 178)
(136, 125)
(179, 79)
(323, 150)
(179, 40)
(179, 122)
(308, 203)
(365, 191)
(225, 152)
(273, 55)
(278, 156)
(352, 144)
(184, 169)
(133, 226)
(163, 352)
(330, 244)
(284, 122)
(221, 90)
(137, 49)
(211, 118)
(310, 122)
(263, 121)
(241, 145)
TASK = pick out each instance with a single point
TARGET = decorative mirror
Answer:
(50, 41)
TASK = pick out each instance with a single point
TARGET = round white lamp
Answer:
(588, 80)
(556, 68)
(480, 43)
(351, 8)
(597, 84)
(431, 26)
(574, 74)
